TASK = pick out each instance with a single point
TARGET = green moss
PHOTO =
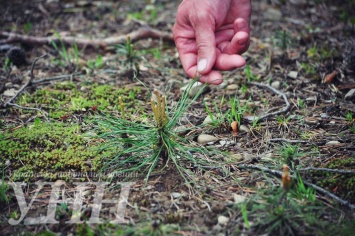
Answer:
(65, 86)
(110, 95)
(340, 184)
(47, 149)
(64, 99)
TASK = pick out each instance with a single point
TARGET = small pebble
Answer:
(195, 88)
(87, 192)
(330, 143)
(276, 84)
(175, 195)
(206, 138)
(223, 220)
(59, 183)
(223, 85)
(238, 198)
(181, 130)
(208, 120)
(350, 95)
(293, 74)
(10, 92)
(8, 85)
(232, 87)
(224, 142)
(244, 129)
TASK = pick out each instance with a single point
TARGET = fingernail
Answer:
(242, 41)
(202, 64)
(241, 24)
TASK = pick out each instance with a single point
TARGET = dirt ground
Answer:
(299, 77)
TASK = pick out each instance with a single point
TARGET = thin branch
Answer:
(25, 108)
(142, 33)
(59, 77)
(29, 108)
(329, 194)
(317, 188)
(287, 140)
(328, 170)
(295, 141)
(284, 110)
(27, 83)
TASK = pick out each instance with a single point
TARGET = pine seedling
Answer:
(286, 178)
(151, 144)
(121, 107)
(161, 120)
(127, 49)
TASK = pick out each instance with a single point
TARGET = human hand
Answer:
(210, 35)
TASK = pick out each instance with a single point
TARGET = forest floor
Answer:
(294, 101)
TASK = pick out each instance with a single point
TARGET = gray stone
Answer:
(244, 129)
(59, 182)
(272, 14)
(206, 138)
(223, 220)
(238, 198)
(292, 74)
(208, 120)
(181, 130)
(223, 85)
(330, 143)
(175, 195)
(195, 88)
(350, 95)
(10, 92)
(232, 87)
(8, 85)
(276, 84)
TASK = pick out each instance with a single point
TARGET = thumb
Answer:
(206, 45)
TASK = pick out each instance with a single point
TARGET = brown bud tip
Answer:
(234, 125)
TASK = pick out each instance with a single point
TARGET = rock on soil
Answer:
(206, 138)
(350, 95)
(196, 87)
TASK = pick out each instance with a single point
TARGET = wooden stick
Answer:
(27, 83)
(284, 110)
(142, 33)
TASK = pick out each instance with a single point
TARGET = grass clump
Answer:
(141, 146)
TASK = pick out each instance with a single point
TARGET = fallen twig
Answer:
(287, 140)
(26, 84)
(328, 170)
(59, 77)
(317, 188)
(285, 109)
(29, 108)
(141, 33)
(295, 141)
